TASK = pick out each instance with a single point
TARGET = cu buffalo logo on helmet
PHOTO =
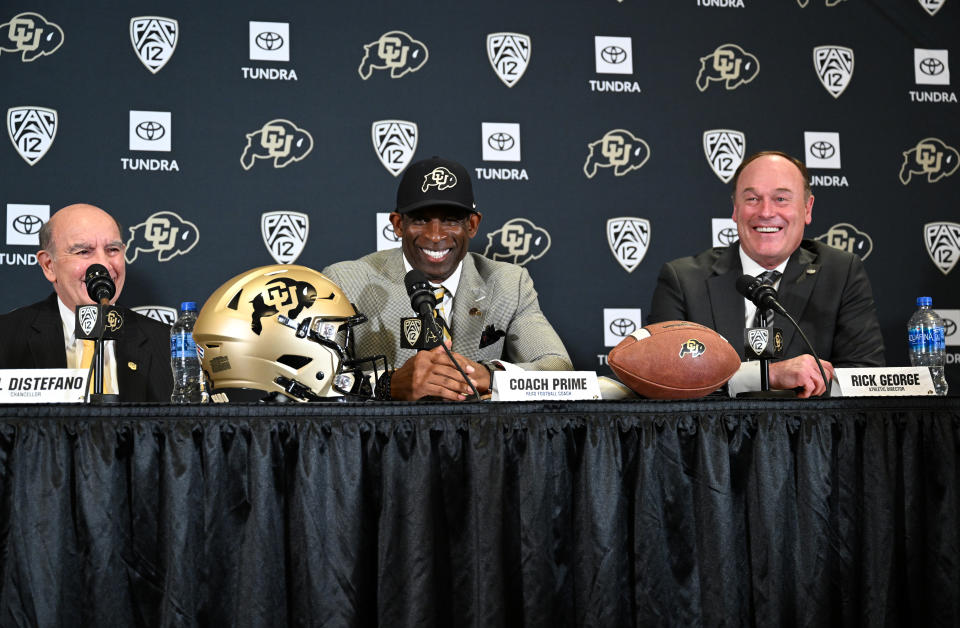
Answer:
(930, 157)
(282, 295)
(692, 347)
(395, 51)
(280, 140)
(618, 149)
(728, 64)
(31, 35)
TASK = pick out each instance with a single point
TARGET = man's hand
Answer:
(430, 374)
(801, 372)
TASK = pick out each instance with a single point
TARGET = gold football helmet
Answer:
(285, 330)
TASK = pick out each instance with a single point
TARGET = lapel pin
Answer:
(811, 271)
(132, 366)
(475, 312)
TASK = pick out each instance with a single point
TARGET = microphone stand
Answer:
(437, 330)
(98, 396)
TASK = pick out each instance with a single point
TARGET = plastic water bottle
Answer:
(183, 357)
(927, 346)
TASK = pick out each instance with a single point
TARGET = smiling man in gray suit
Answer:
(491, 308)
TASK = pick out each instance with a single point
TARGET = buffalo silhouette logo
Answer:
(279, 140)
(31, 35)
(617, 149)
(728, 64)
(395, 51)
(930, 157)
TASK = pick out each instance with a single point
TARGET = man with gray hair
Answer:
(137, 365)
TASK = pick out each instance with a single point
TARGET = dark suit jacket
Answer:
(826, 290)
(32, 337)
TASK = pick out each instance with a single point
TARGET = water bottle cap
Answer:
(924, 301)
(188, 306)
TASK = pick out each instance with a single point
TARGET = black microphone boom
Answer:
(100, 286)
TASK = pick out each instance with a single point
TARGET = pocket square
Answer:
(490, 336)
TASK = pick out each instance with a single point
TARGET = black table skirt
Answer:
(714, 512)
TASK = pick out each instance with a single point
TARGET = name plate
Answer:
(42, 385)
(884, 381)
(544, 385)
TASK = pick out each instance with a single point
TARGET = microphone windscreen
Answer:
(414, 280)
(747, 286)
(99, 284)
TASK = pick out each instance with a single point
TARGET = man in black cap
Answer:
(490, 308)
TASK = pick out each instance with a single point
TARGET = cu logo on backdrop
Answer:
(163, 233)
(618, 149)
(846, 237)
(31, 35)
(280, 140)
(518, 241)
(728, 64)
(930, 157)
(395, 51)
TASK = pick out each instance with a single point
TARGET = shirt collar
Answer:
(450, 284)
(750, 267)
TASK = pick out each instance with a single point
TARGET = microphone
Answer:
(422, 299)
(762, 295)
(765, 297)
(100, 286)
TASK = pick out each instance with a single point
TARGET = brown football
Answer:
(674, 360)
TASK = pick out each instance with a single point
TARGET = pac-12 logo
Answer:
(629, 239)
(834, 66)
(395, 142)
(618, 149)
(163, 233)
(728, 64)
(724, 149)
(154, 39)
(280, 140)
(517, 241)
(32, 130)
(162, 313)
(931, 6)
(31, 35)
(509, 54)
(943, 244)
(930, 157)
(395, 51)
(285, 234)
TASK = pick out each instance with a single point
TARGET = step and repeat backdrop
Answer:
(601, 136)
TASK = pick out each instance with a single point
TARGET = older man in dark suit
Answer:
(41, 335)
(825, 289)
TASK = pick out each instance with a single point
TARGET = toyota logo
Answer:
(822, 150)
(728, 235)
(27, 224)
(932, 66)
(501, 141)
(268, 41)
(150, 130)
(614, 55)
(389, 234)
(622, 326)
(949, 327)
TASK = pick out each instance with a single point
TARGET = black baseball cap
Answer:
(435, 182)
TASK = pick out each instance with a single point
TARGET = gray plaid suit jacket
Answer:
(490, 293)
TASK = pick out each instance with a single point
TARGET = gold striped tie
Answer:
(440, 312)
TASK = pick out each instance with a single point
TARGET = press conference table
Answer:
(631, 513)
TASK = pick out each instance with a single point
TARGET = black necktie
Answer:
(767, 278)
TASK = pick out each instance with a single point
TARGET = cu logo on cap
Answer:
(27, 224)
(268, 41)
(150, 130)
(614, 55)
(622, 326)
(822, 150)
(932, 66)
(501, 141)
